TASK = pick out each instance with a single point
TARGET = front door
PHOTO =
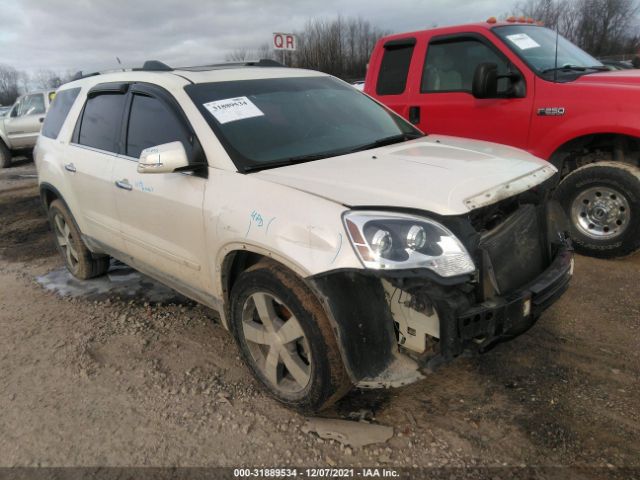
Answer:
(161, 214)
(24, 121)
(447, 105)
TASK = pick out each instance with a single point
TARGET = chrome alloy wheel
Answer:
(65, 241)
(277, 343)
(600, 212)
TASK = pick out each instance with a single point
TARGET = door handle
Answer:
(70, 167)
(124, 184)
(414, 115)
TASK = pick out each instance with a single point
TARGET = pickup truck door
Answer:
(24, 121)
(161, 214)
(441, 90)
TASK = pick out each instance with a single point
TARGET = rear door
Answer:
(392, 82)
(161, 214)
(25, 120)
(93, 150)
(443, 95)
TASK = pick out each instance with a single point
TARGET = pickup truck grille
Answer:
(513, 251)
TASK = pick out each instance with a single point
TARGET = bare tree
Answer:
(9, 85)
(601, 27)
(238, 55)
(340, 46)
(246, 54)
(45, 79)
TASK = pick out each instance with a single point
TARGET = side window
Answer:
(32, 105)
(450, 65)
(394, 68)
(101, 121)
(152, 123)
(58, 112)
(15, 111)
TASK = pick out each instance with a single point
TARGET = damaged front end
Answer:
(392, 326)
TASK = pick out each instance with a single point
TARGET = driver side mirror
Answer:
(485, 81)
(165, 158)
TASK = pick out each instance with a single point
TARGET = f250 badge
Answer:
(551, 111)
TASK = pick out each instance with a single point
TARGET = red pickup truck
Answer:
(521, 84)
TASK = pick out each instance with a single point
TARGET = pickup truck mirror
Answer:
(485, 81)
(165, 158)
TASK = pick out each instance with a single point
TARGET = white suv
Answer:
(341, 246)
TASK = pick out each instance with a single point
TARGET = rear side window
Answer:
(394, 68)
(101, 121)
(450, 65)
(58, 112)
(152, 123)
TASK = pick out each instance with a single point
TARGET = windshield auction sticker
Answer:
(523, 41)
(232, 109)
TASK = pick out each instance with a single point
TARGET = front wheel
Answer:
(603, 204)
(285, 338)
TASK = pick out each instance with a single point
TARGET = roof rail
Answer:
(154, 66)
(263, 62)
(80, 75)
(157, 66)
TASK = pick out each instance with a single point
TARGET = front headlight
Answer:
(394, 241)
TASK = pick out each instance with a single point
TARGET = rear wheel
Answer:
(603, 204)
(5, 156)
(286, 339)
(79, 260)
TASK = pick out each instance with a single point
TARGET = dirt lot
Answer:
(121, 382)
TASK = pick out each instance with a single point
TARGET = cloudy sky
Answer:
(88, 34)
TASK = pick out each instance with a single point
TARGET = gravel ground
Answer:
(116, 380)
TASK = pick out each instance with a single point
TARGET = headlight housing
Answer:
(394, 241)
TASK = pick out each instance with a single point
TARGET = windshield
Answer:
(279, 121)
(537, 48)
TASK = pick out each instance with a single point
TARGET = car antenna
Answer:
(120, 63)
(555, 67)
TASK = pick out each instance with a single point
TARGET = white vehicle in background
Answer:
(20, 127)
(341, 246)
(359, 85)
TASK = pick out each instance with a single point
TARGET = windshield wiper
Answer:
(576, 68)
(289, 161)
(319, 156)
(381, 142)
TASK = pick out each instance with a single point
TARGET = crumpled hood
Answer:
(441, 174)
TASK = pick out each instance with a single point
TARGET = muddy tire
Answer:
(77, 257)
(5, 156)
(286, 339)
(602, 201)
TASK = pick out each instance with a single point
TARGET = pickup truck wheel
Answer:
(5, 156)
(77, 257)
(603, 203)
(286, 339)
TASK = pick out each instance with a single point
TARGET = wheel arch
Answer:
(367, 347)
(48, 194)
(236, 258)
(593, 148)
